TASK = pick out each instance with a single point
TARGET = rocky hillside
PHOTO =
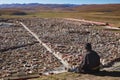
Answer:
(21, 54)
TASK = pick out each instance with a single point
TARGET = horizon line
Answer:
(58, 3)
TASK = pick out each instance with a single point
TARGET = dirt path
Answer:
(94, 22)
(86, 21)
(56, 54)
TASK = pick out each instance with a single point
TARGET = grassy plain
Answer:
(111, 17)
(104, 13)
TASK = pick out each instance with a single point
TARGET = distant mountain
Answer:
(98, 8)
(37, 5)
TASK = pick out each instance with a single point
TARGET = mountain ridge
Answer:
(36, 5)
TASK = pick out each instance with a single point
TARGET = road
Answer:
(94, 22)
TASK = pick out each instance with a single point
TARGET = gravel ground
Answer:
(20, 52)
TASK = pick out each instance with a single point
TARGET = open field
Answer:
(109, 13)
(111, 18)
(21, 55)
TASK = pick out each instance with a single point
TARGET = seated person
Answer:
(90, 62)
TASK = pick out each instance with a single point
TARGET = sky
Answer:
(60, 1)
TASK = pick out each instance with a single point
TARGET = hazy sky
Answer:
(60, 1)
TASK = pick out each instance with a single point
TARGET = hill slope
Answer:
(66, 7)
(99, 8)
(109, 13)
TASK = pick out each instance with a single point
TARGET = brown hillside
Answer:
(99, 8)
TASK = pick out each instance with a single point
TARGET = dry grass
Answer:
(75, 76)
(111, 18)
(104, 13)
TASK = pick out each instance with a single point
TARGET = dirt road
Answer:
(94, 22)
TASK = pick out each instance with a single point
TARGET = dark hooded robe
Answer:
(90, 62)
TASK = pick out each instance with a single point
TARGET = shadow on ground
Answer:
(19, 46)
(107, 73)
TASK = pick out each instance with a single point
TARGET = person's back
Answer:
(91, 60)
